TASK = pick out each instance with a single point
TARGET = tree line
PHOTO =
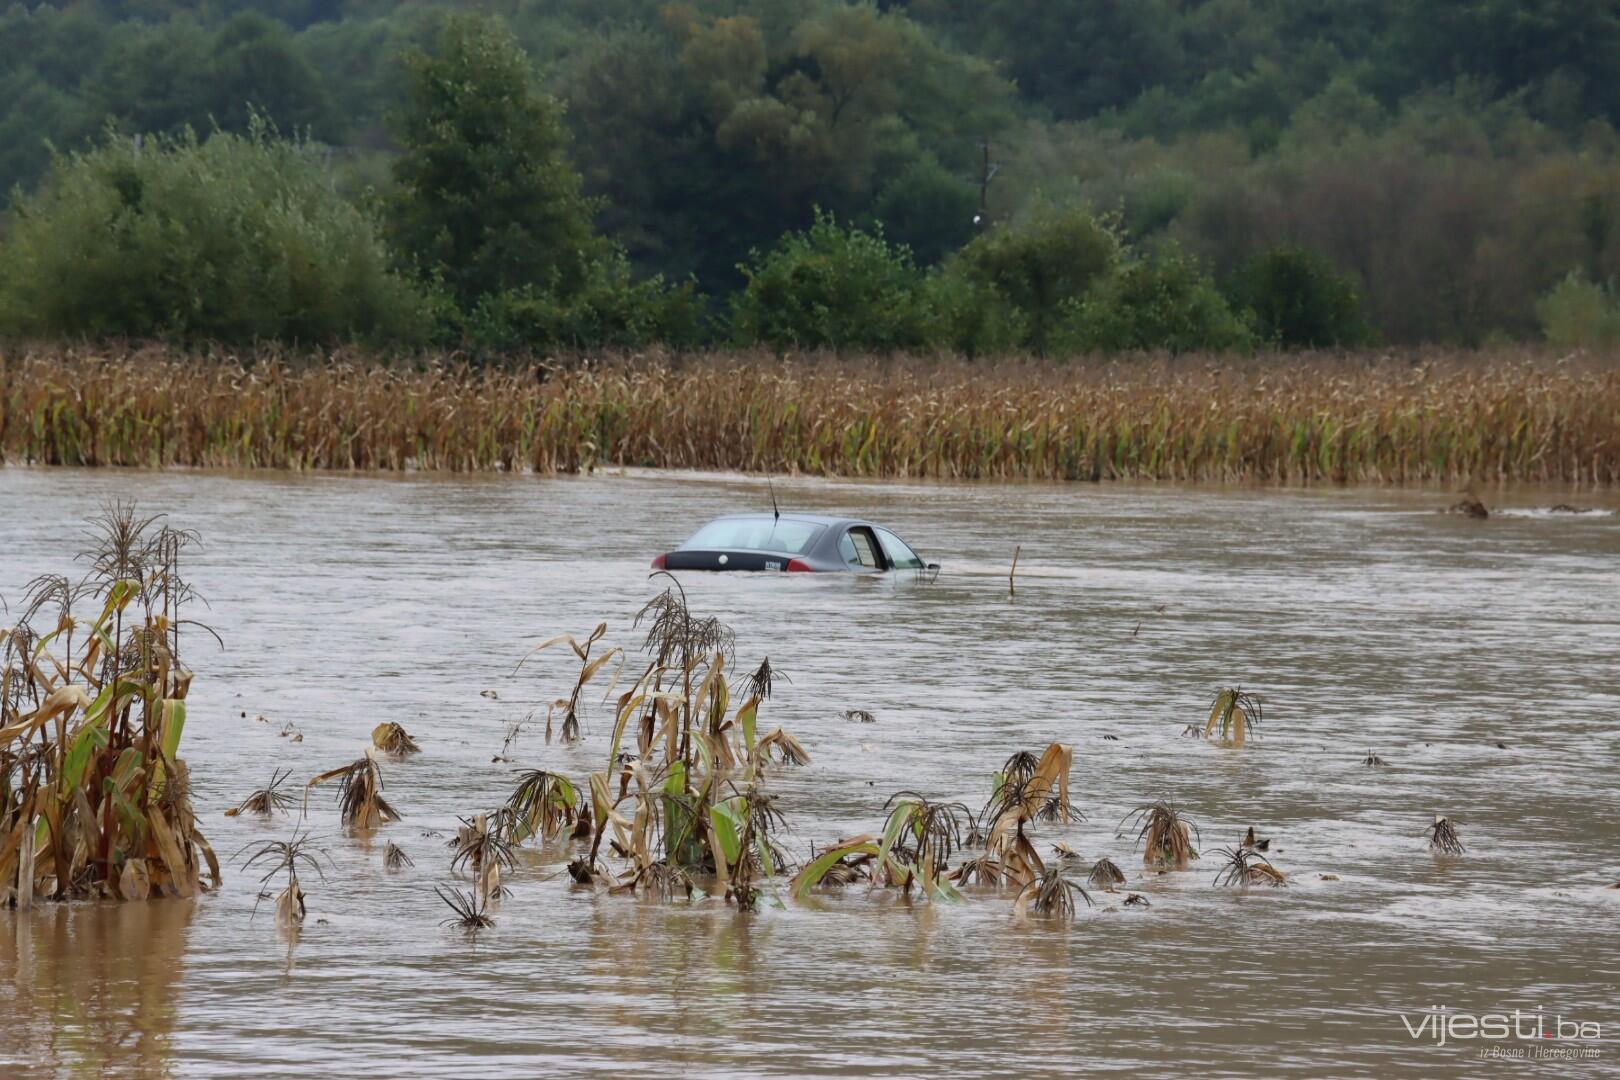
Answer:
(1243, 172)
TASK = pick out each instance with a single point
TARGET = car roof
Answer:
(809, 519)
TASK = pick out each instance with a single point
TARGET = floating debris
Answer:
(1373, 761)
(1249, 841)
(1469, 506)
(859, 716)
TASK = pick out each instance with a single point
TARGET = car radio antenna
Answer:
(774, 508)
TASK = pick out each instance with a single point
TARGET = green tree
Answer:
(256, 69)
(928, 210)
(1299, 299)
(487, 198)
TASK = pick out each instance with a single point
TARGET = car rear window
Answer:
(754, 534)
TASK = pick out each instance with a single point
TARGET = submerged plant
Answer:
(763, 680)
(918, 827)
(1105, 875)
(484, 847)
(1020, 767)
(1233, 715)
(543, 804)
(1051, 895)
(1167, 837)
(266, 800)
(1027, 788)
(588, 670)
(981, 869)
(360, 798)
(285, 856)
(394, 857)
(1030, 787)
(1244, 866)
(660, 878)
(1443, 837)
(94, 798)
(1372, 760)
(393, 740)
(786, 748)
(469, 909)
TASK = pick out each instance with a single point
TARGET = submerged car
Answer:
(793, 543)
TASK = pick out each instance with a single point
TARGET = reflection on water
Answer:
(93, 988)
(1367, 622)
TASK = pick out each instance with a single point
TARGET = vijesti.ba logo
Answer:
(1441, 1026)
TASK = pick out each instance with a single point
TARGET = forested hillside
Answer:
(1445, 170)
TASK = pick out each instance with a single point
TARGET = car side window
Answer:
(859, 548)
(846, 549)
(899, 555)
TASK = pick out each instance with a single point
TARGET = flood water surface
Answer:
(1477, 658)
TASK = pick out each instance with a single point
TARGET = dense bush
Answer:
(1041, 266)
(1299, 299)
(1160, 302)
(236, 238)
(971, 318)
(609, 309)
(1577, 312)
(833, 287)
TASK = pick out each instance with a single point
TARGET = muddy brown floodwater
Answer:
(1367, 622)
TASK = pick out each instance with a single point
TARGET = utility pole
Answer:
(987, 172)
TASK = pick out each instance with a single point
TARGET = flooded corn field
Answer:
(1411, 665)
